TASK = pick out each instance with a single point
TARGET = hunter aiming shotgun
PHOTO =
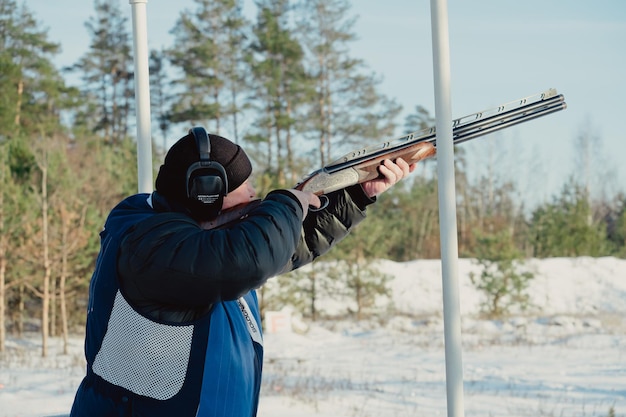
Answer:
(362, 165)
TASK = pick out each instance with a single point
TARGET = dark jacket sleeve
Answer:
(168, 259)
(323, 229)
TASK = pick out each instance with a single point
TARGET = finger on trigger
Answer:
(315, 201)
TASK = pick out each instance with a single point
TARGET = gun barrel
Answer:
(464, 129)
(516, 116)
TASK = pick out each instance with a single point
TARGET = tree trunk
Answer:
(18, 104)
(279, 161)
(2, 286)
(313, 280)
(45, 296)
(65, 222)
(233, 93)
(289, 163)
(3, 252)
(20, 311)
(53, 306)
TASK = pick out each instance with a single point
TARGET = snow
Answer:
(566, 356)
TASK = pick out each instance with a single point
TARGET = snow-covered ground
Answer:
(565, 357)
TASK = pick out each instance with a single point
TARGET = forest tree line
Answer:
(282, 85)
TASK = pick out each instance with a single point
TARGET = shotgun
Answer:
(362, 165)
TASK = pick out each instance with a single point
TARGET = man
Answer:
(173, 325)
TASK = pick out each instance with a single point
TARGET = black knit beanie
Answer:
(171, 181)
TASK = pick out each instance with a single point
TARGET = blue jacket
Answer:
(173, 323)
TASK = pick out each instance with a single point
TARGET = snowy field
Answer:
(566, 357)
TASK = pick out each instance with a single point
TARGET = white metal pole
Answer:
(447, 208)
(142, 96)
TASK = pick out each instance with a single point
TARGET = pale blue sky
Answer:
(501, 50)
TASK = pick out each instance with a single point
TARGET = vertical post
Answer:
(447, 208)
(142, 96)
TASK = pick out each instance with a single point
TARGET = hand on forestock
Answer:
(306, 199)
(391, 172)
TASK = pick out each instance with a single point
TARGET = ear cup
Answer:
(207, 183)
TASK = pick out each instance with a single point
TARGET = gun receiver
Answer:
(362, 165)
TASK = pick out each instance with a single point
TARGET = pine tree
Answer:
(237, 76)
(31, 109)
(158, 96)
(562, 228)
(503, 279)
(616, 221)
(208, 54)
(357, 278)
(282, 89)
(33, 92)
(8, 224)
(106, 70)
(348, 110)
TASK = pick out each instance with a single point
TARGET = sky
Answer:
(500, 51)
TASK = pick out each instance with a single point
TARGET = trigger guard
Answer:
(324, 200)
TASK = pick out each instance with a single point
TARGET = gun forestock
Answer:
(325, 180)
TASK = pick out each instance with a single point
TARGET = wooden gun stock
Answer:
(323, 182)
(362, 165)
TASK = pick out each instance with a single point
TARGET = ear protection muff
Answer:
(207, 183)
